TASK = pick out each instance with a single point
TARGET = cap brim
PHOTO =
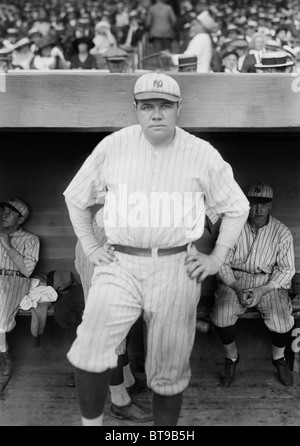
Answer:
(288, 64)
(8, 205)
(259, 199)
(156, 95)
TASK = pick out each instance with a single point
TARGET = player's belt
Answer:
(10, 272)
(149, 252)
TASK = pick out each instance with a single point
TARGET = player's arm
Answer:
(81, 220)
(25, 262)
(202, 265)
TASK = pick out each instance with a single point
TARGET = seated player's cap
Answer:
(18, 206)
(260, 193)
(157, 86)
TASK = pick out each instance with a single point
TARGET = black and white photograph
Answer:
(150, 215)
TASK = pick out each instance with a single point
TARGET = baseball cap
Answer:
(156, 86)
(18, 206)
(260, 193)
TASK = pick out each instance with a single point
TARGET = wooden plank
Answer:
(103, 101)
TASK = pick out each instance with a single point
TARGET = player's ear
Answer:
(21, 220)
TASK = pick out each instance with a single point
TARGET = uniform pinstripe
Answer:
(159, 286)
(14, 288)
(257, 259)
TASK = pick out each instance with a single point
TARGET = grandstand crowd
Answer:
(85, 34)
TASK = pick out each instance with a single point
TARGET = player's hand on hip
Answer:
(103, 255)
(200, 265)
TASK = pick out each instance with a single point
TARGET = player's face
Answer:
(259, 213)
(10, 218)
(158, 119)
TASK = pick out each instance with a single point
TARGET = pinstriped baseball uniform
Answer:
(259, 258)
(159, 286)
(14, 288)
(85, 268)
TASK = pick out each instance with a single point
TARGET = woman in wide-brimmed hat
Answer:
(83, 59)
(49, 56)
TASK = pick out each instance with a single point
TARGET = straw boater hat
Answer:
(275, 59)
(187, 60)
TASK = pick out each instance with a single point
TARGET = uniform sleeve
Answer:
(87, 187)
(31, 254)
(284, 269)
(225, 273)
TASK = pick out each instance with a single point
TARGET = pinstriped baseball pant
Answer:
(275, 306)
(119, 292)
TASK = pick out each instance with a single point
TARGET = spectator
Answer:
(230, 62)
(22, 56)
(83, 59)
(257, 47)
(161, 25)
(132, 33)
(49, 56)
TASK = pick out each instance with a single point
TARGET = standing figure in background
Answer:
(161, 25)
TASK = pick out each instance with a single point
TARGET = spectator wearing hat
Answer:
(201, 43)
(132, 33)
(257, 274)
(187, 63)
(275, 62)
(34, 36)
(257, 47)
(103, 40)
(49, 56)
(230, 60)
(116, 60)
(19, 254)
(161, 25)
(11, 38)
(22, 55)
(83, 59)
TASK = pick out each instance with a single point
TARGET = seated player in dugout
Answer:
(19, 254)
(257, 274)
(68, 314)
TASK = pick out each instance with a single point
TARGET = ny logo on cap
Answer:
(258, 190)
(158, 84)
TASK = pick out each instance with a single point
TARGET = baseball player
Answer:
(19, 253)
(122, 382)
(159, 181)
(257, 273)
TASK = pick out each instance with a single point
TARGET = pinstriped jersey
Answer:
(27, 245)
(156, 197)
(269, 251)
